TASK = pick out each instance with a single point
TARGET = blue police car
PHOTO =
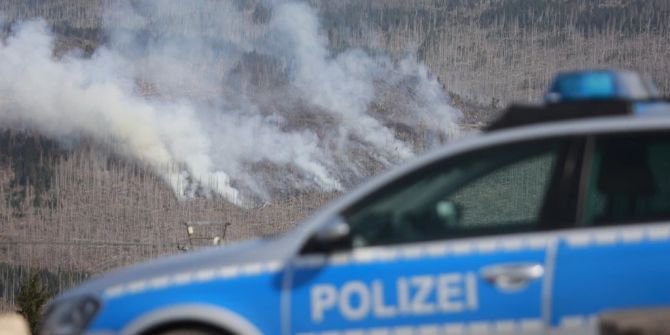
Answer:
(553, 215)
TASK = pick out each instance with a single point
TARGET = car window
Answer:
(492, 191)
(629, 180)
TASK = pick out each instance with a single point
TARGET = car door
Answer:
(617, 258)
(453, 247)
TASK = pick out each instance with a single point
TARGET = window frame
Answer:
(558, 208)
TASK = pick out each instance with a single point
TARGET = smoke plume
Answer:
(244, 99)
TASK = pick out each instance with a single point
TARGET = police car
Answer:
(550, 217)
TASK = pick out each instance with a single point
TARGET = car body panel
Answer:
(274, 272)
(424, 284)
(619, 267)
(280, 248)
(226, 288)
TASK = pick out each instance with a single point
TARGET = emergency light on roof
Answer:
(601, 85)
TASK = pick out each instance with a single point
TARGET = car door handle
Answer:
(512, 276)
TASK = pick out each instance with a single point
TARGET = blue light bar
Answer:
(599, 85)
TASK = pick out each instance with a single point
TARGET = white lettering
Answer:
(349, 290)
(323, 297)
(424, 286)
(471, 291)
(415, 295)
(380, 309)
(403, 296)
(449, 293)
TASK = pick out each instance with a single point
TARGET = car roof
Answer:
(576, 127)
(519, 115)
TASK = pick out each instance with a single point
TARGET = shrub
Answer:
(32, 297)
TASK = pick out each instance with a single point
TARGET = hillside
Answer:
(488, 51)
(79, 205)
(87, 210)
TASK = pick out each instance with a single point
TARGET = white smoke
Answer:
(95, 97)
(247, 101)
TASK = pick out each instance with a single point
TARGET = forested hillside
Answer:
(501, 51)
(76, 207)
(488, 50)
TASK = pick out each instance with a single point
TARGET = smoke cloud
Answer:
(244, 100)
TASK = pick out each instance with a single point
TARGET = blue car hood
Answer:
(276, 249)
